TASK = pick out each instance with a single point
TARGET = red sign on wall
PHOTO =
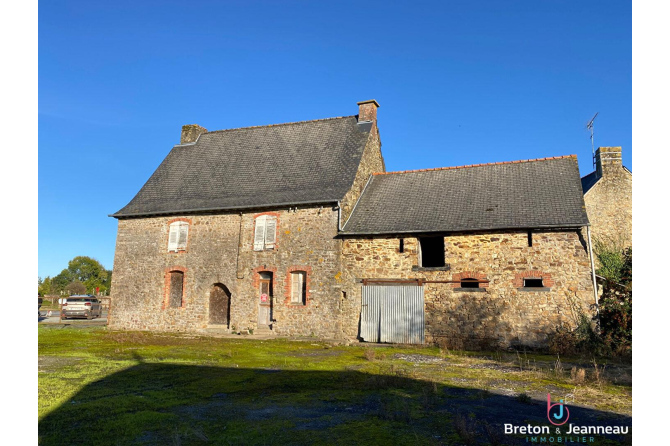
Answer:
(264, 297)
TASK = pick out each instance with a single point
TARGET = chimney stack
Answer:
(190, 133)
(367, 111)
(608, 160)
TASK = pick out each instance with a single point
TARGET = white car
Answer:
(84, 306)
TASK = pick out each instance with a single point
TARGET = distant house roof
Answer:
(521, 194)
(283, 164)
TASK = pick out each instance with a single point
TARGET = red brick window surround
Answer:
(266, 230)
(263, 269)
(533, 281)
(174, 295)
(463, 281)
(178, 235)
(296, 286)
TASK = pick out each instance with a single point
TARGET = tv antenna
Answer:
(589, 126)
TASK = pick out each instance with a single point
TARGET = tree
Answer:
(85, 270)
(76, 287)
(89, 272)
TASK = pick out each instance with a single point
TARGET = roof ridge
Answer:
(478, 165)
(277, 125)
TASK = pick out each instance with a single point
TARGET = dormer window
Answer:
(265, 233)
(178, 238)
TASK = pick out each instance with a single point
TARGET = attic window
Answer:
(178, 237)
(265, 233)
(432, 252)
(532, 283)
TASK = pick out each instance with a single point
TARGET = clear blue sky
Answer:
(458, 82)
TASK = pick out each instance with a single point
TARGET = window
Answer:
(265, 233)
(432, 252)
(298, 287)
(533, 283)
(176, 289)
(469, 283)
(401, 248)
(178, 236)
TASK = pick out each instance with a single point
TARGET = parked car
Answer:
(82, 306)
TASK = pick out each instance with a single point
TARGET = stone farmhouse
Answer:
(297, 229)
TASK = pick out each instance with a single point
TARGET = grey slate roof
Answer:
(589, 181)
(525, 194)
(283, 164)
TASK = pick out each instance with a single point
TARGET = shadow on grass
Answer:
(165, 404)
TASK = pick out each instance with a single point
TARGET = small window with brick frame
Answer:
(469, 283)
(298, 287)
(176, 292)
(533, 282)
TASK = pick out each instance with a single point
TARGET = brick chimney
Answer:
(190, 133)
(608, 160)
(367, 111)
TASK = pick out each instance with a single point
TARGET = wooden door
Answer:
(265, 302)
(219, 305)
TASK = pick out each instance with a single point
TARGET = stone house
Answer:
(297, 229)
(608, 195)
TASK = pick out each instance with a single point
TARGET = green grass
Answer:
(103, 387)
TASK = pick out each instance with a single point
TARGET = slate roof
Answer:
(520, 194)
(283, 164)
(589, 181)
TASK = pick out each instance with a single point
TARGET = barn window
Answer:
(298, 287)
(176, 295)
(265, 235)
(432, 251)
(533, 282)
(469, 283)
(401, 248)
(178, 237)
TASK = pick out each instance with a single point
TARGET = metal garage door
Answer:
(392, 314)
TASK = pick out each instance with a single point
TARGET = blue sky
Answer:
(458, 82)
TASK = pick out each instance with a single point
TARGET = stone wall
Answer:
(498, 315)
(609, 203)
(220, 251)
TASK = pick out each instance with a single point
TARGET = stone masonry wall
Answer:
(500, 315)
(609, 205)
(305, 242)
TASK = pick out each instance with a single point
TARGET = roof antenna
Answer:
(589, 126)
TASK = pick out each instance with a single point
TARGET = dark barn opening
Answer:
(432, 251)
(532, 283)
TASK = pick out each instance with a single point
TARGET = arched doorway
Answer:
(219, 305)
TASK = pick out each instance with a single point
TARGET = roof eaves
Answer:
(227, 208)
(505, 228)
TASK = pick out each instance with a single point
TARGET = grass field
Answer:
(103, 387)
